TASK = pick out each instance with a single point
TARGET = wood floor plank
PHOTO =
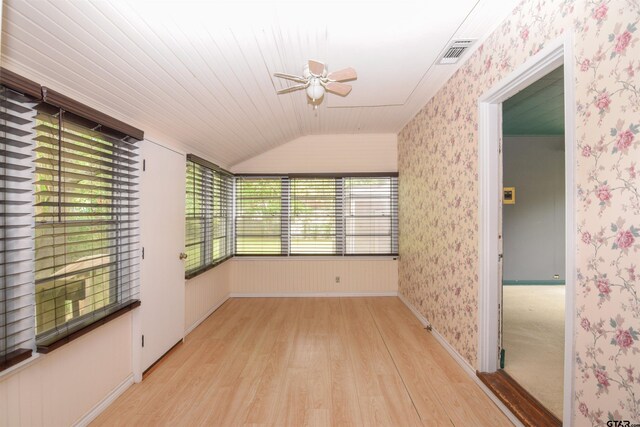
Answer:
(306, 361)
(412, 362)
(242, 376)
(382, 400)
(344, 393)
(262, 407)
(439, 385)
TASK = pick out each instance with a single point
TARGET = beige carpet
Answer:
(534, 340)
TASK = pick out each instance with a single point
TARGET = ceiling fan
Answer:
(316, 80)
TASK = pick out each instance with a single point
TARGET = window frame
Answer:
(328, 191)
(340, 217)
(392, 217)
(282, 200)
(224, 203)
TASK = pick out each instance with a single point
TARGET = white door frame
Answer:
(555, 54)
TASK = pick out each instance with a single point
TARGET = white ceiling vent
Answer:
(455, 50)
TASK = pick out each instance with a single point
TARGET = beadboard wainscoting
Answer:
(294, 276)
(317, 276)
(73, 384)
(205, 293)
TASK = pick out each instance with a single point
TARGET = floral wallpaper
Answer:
(439, 195)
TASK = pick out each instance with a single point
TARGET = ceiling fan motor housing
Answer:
(307, 73)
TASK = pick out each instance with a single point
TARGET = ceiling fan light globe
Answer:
(315, 91)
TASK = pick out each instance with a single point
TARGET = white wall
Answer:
(314, 275)
(59, 388)
(206, 292)
(327, 153)
(533, 228)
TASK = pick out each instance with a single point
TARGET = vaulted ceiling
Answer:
(199, 74)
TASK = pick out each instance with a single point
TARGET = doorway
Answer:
(533, 238)
(162, 290)
(491, 141)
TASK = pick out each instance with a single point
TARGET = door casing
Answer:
(557, 53)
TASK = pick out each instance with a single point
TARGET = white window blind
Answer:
(16, 226)
(209, 216)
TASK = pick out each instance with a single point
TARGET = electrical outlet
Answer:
(556, 276)
(337, 279)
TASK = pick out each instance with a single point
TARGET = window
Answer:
(16, 224)
(68, 218)
(68, 232)
(371, 215)
(86, 225)
(261, 207)
(209, 215)
(314, 216)
(317, 215)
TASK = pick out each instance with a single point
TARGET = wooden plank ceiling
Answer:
(199, 74)
(538, 109)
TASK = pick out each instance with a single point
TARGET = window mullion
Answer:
(116, 213)
(340, 217)
(394, 215)
(231, 216)
(285, 215)
(207, 217)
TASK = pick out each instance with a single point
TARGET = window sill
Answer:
(35, 357)
(15, 358)
(198, 272)
(38, 356)
(47, 346)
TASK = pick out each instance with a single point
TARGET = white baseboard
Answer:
(312, 294)
(464, 364)
(104, 403)
(207, 314)
(415, 311)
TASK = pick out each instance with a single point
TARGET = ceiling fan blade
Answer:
(316, 68)
(343, 75)
(338, 88)
(290, 77)
(292, 88)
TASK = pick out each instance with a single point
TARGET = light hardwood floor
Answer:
(307, 361)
